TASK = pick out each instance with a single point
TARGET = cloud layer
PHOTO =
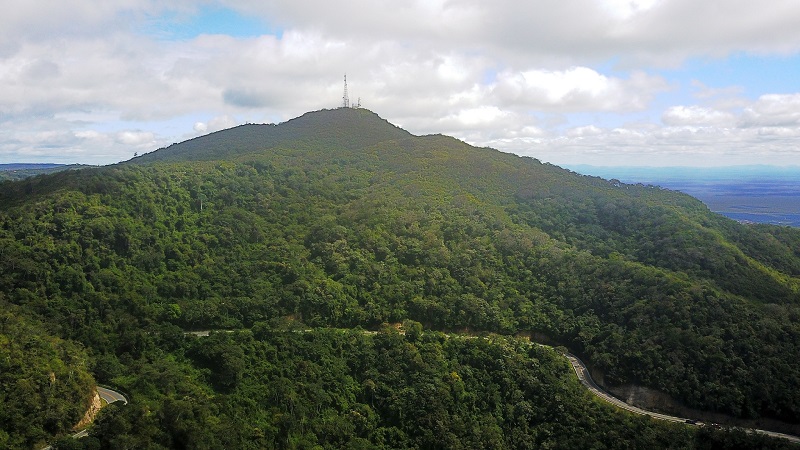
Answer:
(596, 82)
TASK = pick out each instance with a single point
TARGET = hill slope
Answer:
(338, 218)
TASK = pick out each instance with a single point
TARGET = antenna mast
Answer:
(345, 98)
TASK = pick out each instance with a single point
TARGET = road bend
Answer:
(110, 396)
(586, 379)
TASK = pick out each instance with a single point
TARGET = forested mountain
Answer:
(338, 219)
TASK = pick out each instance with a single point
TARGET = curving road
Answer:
(586, 379)
(110, 396)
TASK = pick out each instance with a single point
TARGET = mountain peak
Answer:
(339, 128)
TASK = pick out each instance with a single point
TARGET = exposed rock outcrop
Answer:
(651, 399)
(94, 408)
(645, 398)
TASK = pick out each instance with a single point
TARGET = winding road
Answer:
(110, 396)
(586, 379)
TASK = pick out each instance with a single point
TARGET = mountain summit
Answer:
(341, 128)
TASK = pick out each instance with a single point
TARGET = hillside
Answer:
(340, 219)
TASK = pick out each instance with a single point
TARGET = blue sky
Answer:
(206, 19)
(601, 82)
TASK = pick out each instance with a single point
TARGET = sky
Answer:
(600, 82)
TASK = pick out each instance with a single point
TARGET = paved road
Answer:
(586, 379)
(583, 375)
(205, 333)
(110, 397)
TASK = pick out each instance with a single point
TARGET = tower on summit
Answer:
(345, 98)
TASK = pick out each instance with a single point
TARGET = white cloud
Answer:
(554, 77)
(696, 115)
(780, 132)
(586, 131)
(773, 110)
(215, 124)
(87, 134)
(200, 127)
(576, 89)
(548, 30)
(135, 138)
(626, 9)
(651, 145)
(480, 116)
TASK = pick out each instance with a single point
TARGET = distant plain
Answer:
(749, 194)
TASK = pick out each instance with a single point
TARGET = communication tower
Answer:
(345, 98)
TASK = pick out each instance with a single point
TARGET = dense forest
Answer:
(338, 219)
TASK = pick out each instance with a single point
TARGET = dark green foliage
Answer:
(709, 438)
(339, 219)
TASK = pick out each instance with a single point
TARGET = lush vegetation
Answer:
(44, 381)
(338, 219)
(348, 389)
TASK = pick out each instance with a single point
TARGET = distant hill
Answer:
(28, 166)
(19, 171)
(338, 219)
